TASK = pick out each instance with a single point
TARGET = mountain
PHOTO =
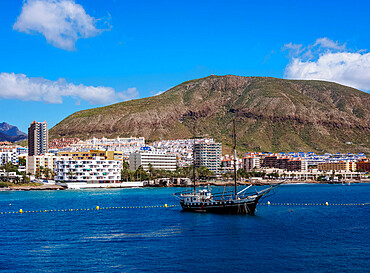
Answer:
(272, 115)
(11, 130)
(11, 133)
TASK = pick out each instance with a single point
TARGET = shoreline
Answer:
(33, 188)
(290, 182)
(202, 184)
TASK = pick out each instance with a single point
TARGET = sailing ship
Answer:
(233, 202)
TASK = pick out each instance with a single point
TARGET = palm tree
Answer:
(71, 174)
(41, 171)
(8, 167)
(25, 179)
(150, 169)
(38, 173)
(16, 180)
(7, 171)
(293, 176)
(22, 162)
(28, 175)
(45, 172)
(48, 173)
(221, 168)
(125, 171)
(204, 172)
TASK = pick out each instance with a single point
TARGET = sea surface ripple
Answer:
(284, 238)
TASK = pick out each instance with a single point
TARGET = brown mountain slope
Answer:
(272, 115)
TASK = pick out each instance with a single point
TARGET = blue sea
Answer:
(279, 238)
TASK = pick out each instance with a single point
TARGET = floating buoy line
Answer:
(97, 208)
(314, 204)
(21, 211)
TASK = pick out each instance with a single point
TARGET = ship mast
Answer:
(234, 138)
(194, 160)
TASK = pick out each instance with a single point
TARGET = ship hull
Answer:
(243, 206)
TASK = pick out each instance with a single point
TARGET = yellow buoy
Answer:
(165, 205)
(326, 204)
(20, 211)
(268, 203)
(97, 207)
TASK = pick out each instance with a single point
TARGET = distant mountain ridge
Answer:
(11, 133)
(272, 115)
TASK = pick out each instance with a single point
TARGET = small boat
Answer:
(242, 202)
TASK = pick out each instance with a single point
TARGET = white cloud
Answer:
(130, 94)
(327, 43)
(62, 22)
(158, 93)
(328, 60)
(19, 86)
(293, 49)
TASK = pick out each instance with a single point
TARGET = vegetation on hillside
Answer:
(271, 114)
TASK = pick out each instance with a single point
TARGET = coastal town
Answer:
(184, 136)
(131, 162)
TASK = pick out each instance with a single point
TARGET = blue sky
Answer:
(113, 50)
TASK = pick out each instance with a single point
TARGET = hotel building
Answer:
(10, 156)
(297, 165)
(92, 171)
(208, 154)
(108, 155)
(285, 163)
(157, 160)
(363, 165)
(37, 138)
(251, 162)
(47, 160)
(337, 166)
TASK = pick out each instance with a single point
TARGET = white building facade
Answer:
(208, 155)
(6, 157)
(157, 160)
(250, 163)
(92, 171)
(33, 163)
(125, 145)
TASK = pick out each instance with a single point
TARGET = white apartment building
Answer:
(138, 141)
(11, 175)
(182, 148)
(6, 157)
(251, 162)
(157, 160)
(227, 164)
(33, 163)
(208, 154)
(92, 171)
(124, 145)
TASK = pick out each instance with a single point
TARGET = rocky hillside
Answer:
(272, 115)
(11, 133)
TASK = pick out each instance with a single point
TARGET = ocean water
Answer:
(278, 239)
